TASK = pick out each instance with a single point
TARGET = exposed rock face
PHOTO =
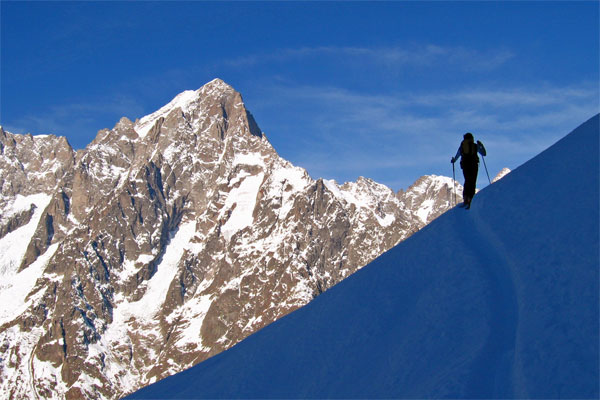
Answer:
(430, 196)
(167, 241)
(501, 174)
(32, 164)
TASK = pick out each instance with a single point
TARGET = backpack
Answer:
(468, 151)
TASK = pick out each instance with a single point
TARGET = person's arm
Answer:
(481, 149)
(456, 157)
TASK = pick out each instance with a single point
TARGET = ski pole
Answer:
(486, 170)
(453, 187)
(483, 152)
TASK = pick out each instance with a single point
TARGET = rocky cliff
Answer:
(168, 240)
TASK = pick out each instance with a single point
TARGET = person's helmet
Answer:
(469, 136)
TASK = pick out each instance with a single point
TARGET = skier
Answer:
(467, 151)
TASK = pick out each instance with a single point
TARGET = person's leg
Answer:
(470, 173)
(466, 186)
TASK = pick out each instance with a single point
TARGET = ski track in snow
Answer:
(498, 355)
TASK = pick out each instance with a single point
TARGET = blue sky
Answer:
(344, 89)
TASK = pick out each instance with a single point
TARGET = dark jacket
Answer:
(467, 151)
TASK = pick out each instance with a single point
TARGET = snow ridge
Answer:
(500, 301)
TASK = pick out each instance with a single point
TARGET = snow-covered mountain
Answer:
(500, 301)
(168, 240)
(501, 174)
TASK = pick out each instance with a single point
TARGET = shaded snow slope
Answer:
(497, 301)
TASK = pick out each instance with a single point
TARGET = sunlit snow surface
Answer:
(240, 203)
(16, 285)
(498, 301)
(183, 100)
(146, 308)
(353, 193)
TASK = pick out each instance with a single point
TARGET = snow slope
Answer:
(498, 301)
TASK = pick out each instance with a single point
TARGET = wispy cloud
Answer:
(391, 57)
(408, 134)
(508, 97)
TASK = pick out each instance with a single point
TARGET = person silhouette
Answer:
(469, 162)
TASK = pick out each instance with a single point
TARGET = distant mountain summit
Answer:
(168, 240)
(501, 174)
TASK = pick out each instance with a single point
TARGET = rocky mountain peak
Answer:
(430, 196)
(214, 104)
(32, 164)
(217, 86)
(168, 240)
(505, 171)
(124, 123)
